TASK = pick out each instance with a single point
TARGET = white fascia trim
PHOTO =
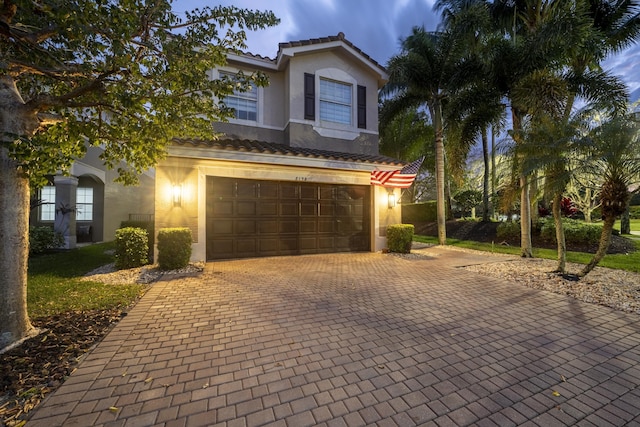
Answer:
(253, 61)
(292, 51)
(273, 159)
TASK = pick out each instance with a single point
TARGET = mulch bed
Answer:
(41, 364)
(486, 232)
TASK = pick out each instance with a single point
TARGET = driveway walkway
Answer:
(355, 339)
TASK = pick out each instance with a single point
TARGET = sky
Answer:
(374, 26)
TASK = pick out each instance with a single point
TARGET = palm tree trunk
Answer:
(14, 251)
(485, 178)
(436, 114)
(603, 245)
(526, 245)
(560, 238)
(493, 172)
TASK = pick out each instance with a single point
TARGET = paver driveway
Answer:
(355, 339)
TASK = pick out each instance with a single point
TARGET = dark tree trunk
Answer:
(560, 238)
(485, 178)
(603, 245)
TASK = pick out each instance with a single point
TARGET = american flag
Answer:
(398, 179)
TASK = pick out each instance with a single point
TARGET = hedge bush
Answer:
(576, 232)
(174, 248)
(42, 239)
(132, 247)
(145, 225)
(414, 213)
(508, 230)
(634, 212)
(399, 238)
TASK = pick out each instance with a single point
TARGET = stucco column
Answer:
(65, 223)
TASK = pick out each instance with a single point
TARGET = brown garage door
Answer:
(249, 218)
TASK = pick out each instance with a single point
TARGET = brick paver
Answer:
(355, 339)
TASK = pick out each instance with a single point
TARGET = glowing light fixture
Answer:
(391, 198)
(176, 193)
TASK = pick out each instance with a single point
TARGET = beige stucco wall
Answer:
(119, 200)
(191, 173)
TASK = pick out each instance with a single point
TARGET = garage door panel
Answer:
(289, 209)
(247, 208)
(308, 226)
(268, 226)
(267, 208)
(309, 209)
(245, 227)
(222, 226)
(223, 207)
(251, 218)
(288, 227)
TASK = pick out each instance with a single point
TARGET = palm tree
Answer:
(406, 136)
(420, 76)
(614, 147)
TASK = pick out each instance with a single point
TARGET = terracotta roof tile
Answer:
(281, 149)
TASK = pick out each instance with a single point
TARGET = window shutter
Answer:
(309, 96)
(362, 107)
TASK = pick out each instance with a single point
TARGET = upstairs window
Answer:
(244, 104)
(335, 101)
(48, 206)
(84, 204)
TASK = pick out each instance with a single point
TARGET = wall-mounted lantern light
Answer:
(391, 198)
(176, 195)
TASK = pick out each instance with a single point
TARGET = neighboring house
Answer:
(291, 175)
(87, 205)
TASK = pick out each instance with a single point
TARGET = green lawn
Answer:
(54, 287)
(635, 225)
(628, 262)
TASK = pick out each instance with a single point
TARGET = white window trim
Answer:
(216, 74)
(49, 204)
(333, 129)
(79, 205)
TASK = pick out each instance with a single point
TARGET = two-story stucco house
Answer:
(291, 175)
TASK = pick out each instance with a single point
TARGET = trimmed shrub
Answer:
(414, 213)
(145, 225)
(132, 247)
(576, 232)
(508, 230)
(634, 212)
(42, 239)
(174, 248)
(399, 238)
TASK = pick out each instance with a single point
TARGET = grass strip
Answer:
(54, 285)
(627, 262)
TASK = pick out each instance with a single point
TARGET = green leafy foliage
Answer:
(174, 248)
(149, 227)
(419, 212)
(399, 238)
(508, 230)
(132, 248)
(468, 199)
(574, 231)
(43, 239)
(128, 76)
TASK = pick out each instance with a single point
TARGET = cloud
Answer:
(374, 26)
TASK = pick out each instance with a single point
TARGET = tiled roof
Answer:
(250, 146)
(328, 39)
